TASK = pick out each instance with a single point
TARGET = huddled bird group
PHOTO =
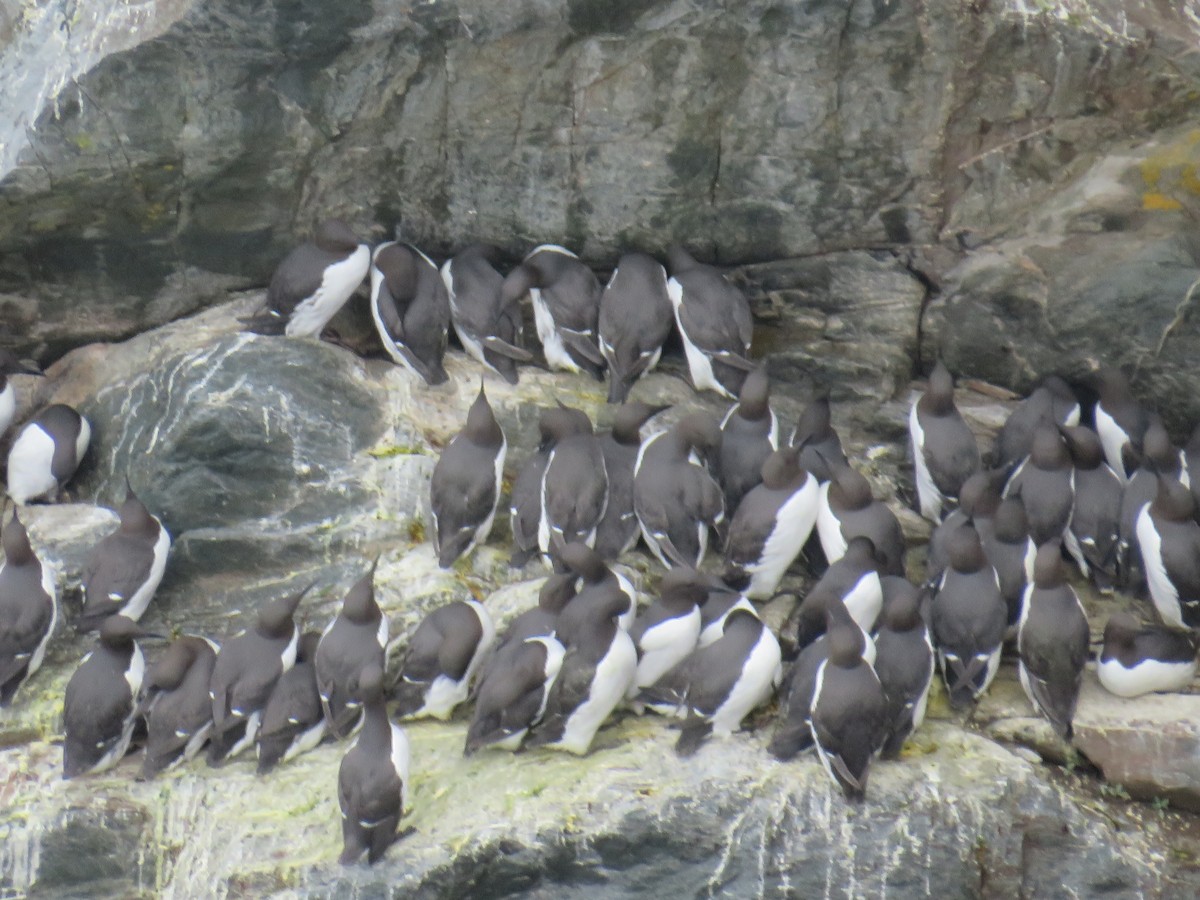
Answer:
(618, 328)
(852, 665)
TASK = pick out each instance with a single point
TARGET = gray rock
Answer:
(1147, 747)
(847, 322)
(1150, 746)
(64, 535)
(1032, 161)
(253, 451)
(959, 816)
(1105, 272)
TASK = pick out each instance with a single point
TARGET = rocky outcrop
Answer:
(1010, 187)
(268, 455)
(1105, 270)
(848, 322)
(1147, 747)
(277, 462)
(65, 534)
(1032, 162)
(959, 817)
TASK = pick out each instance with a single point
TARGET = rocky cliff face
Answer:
(276, 462)
(1028, 168)
(1012, 185)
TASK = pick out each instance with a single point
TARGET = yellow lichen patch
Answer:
(938, 704)
(416, 530)
(1151, 172)
(918, 745)
(1169, 172)
(1189, 179)
(387, 451)
(1157, 201)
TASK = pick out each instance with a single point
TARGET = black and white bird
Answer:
(126, 567)
(714, 320)
(850, 713)
(977, 502)
(175, 703)
(411, 309)
(1139, 659)
(1120, 419)
(635, 321)
(293, 721)
(10, 365)
(715, 323)
(721, 601)
(464, 490)
(566, 307)
(555, 593)
(1011, 551)
(771, 526)
(1191, 461)
(99, 709)
(490, 332)
(675, 498)
(847, 508)
(356, 637)
(669, 628)
(1164, 456)
(593, 579)
(618, 530)
(1095, 521)
(442, 658)
(718, 685)
(1052, 641)
(597, 671)
(1157, 456)
(896, 588)
(312, 283)
(1051, 402)
(247, 667)
(373, 777)
(513, 696)
(1169, 540)
(28, 610)
(904, 662)
(968, 618)
(818, 439)
(853, 582)
(944, 450)
(749, 434)
(525, 503)
(793, 733)
(1045, 482)
(574, 492)
(46, 453)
